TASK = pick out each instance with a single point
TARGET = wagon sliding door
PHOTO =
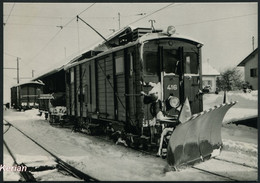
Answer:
(105, 87)
(87, 101)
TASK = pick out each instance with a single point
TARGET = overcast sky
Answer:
(32, 31)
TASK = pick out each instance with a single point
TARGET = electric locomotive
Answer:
(145, 84)
(138, 85)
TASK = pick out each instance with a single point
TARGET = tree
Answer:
(230, 79)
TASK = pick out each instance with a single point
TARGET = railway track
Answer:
(202, 169)
(198, 168)
(61, 165)
(240, 164)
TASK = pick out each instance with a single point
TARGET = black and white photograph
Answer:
(130, 91)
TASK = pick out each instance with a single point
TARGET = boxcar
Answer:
(25, 96)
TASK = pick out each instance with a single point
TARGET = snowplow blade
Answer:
(196, 139)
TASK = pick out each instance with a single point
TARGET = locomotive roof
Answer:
(29, 82)
(146, 37)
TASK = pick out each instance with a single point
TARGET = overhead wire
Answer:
(151, 13)
(61, 27)
(78, 35)
(31, 16)
(218, 19)
(52, 17)
(167, 6)
(11, 55)
(38, 25)
(9, 14)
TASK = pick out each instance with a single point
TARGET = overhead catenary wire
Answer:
(218, 19)
(36, 25)
(31, 16)
(167, 6)
(61, 27)
(9, 14)
(45, 25)
(11, 55)
(151, 13)
(91, 17)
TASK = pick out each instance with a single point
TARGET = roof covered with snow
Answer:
(208, 70)
(37, 82)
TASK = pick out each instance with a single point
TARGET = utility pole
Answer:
(152, 21)
(119, 20)
(253, 42)
(18, 70)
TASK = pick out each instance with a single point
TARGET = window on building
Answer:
(206, 83)
(253, 72)
(209, 82)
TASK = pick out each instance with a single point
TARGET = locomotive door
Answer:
(172, 75)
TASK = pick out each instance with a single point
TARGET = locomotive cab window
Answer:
(169, 54)
(150, 58)
(170, 61)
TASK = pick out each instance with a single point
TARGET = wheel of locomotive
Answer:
(51, 119)
(46, 116)
(164, 153)
(56, 119)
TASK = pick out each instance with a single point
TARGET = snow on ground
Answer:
(8, 161)
(246, 107)
(107, 161)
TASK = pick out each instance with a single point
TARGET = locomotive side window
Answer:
(119, 65)
(67, 77)
(150, 63)
(131, 64)
(72, 76)
(150, 58)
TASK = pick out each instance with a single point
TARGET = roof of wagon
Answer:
(146, 37)
(29, 82)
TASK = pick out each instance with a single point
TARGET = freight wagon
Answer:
(52, 101)
(25, 96)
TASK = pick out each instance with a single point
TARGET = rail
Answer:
(68, 168)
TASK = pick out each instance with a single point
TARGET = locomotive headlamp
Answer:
(171, 30)
(174, 101)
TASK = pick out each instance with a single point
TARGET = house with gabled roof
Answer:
(209, 76)
(250, 64)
